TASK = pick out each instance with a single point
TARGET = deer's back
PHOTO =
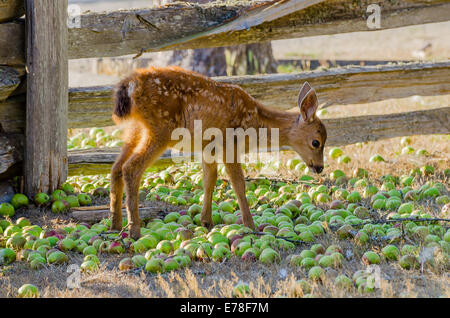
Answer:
(173, 98)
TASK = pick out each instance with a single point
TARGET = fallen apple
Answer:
(28, 291)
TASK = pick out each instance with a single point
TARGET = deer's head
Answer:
(308, 134)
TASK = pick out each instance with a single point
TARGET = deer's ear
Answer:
(307, 102)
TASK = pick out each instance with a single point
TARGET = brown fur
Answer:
(163, 99)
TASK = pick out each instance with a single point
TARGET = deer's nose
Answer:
(318, 169)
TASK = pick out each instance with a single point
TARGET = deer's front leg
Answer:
(209, 182)
(236, 175)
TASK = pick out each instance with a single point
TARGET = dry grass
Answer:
(217, 280)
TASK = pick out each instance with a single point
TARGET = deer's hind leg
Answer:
(116, 193)
(150, 148)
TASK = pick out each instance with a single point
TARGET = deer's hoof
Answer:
(135, 232)
(207, 224)
(250, 225)
(116, 227)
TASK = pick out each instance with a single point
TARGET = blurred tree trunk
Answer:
(236, 60)
(255, 58)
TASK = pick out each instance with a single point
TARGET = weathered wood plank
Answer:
(127, 32)
(187, 26)
(92, 106)
(11, 9)
(350, 130)
(98, 161)
(12, 43)
(97, 215)
(9, 81)
(12, 114)
(45, 163)
(11, 154)
(340, 131)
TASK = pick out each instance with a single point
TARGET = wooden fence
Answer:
(37, 108)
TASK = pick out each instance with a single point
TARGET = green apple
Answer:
(391, 252)
(316, 249)
(295, 260)
(28, 291)
(268, 256)
(19, 200)
(6, 209)
(126, 264)
(354, 197)
(335, 152)
(220, 253)
(407, 150)
(376, 158)
(316, 273)
(165, 246)
(57, 257)
(89, 250)
(300, 288)
(343, 282)
(154, 265)
(139, 260)
(84, 199)
(406, 208)
(58, 206)
(58, 195)
(241, 290)
(89, 266)
(67, 188)
(427, 170)
(408, 262)
(7, 256)
(360, 173)
(326, 261)
(370, 257)
(308, 262)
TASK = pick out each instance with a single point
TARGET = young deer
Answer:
(151, 103)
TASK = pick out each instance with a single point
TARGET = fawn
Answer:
(151, 103)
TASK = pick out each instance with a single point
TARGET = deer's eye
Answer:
(316, 143)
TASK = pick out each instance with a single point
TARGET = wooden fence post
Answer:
(45, 161)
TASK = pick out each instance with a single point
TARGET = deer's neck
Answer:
(276, 119)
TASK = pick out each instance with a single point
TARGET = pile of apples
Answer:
(97, 137)
(284, 214)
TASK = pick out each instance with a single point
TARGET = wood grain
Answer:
(9, 81)
(186, 26)
(45, 161)
(11, 152)
(340, 131)
(11, 9)
(92, 106)
(94, 216)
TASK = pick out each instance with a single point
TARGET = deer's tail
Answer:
(122, 104)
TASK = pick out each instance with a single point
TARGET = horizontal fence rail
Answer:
(341, 131)
(92, 106)
(190, 26)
